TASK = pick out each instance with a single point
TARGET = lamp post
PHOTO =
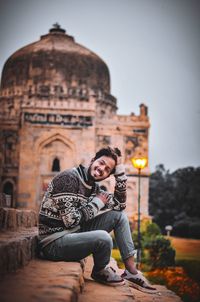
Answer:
(139, 163)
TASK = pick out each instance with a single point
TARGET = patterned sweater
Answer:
(69, 201)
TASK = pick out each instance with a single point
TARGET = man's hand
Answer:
(119, 156)
(103, 196)
(119, 160)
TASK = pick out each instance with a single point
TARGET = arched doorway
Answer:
(55, 165)
(8, 190)
(55, 155)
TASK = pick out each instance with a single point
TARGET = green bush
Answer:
(160, 252)
(156, 249)
(153, 230)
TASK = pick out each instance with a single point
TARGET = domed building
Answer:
(56, 111)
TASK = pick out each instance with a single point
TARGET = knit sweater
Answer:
(69, 201)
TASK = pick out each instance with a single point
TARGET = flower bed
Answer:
(176, 279)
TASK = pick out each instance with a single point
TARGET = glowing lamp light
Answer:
(139, 163)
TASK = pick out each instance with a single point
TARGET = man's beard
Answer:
(89, 176)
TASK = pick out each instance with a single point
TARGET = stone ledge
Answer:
(17, 249)
(44, 281)
(13, 219)
(97, 292)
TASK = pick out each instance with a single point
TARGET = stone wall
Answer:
(18, 238)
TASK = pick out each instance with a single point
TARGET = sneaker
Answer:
(139, 282)
(107, 276)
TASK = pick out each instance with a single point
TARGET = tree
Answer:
(174, 199)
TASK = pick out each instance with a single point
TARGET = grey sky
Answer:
(152, 49)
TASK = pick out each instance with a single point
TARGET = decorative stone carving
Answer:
(103, 141)
(130, 145)
(10, 139)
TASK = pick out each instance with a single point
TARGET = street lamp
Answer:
(139, 163)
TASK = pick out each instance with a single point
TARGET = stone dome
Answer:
(55, 58)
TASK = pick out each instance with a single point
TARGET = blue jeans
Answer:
(93, 238)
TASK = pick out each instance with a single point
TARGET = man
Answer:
(76, 217)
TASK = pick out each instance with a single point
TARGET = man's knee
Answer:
(104, 237)
(120, 216)
(124, 216)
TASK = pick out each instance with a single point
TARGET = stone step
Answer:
(17, 248)
(43, 281)
(14, 219)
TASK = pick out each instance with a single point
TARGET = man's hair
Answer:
(109, 152)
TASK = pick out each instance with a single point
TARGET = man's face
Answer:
(101, 168)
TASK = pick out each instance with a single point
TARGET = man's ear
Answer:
(92, 160)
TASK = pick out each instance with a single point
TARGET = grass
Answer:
(188, 255)
(186, 249)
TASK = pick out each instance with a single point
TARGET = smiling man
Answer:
(76, 217)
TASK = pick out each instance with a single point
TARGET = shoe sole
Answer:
(142, 289)
(110, 284)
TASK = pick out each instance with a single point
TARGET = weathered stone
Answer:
(44, 281)
(19, 214)
(17, 248)
(12, 261)
(3, 259)
(1, 218)
(31, 218)
(5, 218)
(24, 218)
(12, 221)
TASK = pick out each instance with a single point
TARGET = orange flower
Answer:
(177, 280)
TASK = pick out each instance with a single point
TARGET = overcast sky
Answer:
(152, 49)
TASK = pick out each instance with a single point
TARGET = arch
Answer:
(55, 149)
(43, 141)
(49, 146)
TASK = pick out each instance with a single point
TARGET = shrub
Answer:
(156, 249)
(160, 252)
(153, 230)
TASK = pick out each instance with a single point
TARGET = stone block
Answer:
(3, 259)
(43, 280)
(11, 252)
(24, 218)
(12, 219)
(31, 218)
(2, 213)
(17, 249)
(12, 222)
(4, 218)
(25, 246)
(19, 214)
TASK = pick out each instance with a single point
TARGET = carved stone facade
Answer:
(56, 111)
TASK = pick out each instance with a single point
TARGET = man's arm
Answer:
(71, 206)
